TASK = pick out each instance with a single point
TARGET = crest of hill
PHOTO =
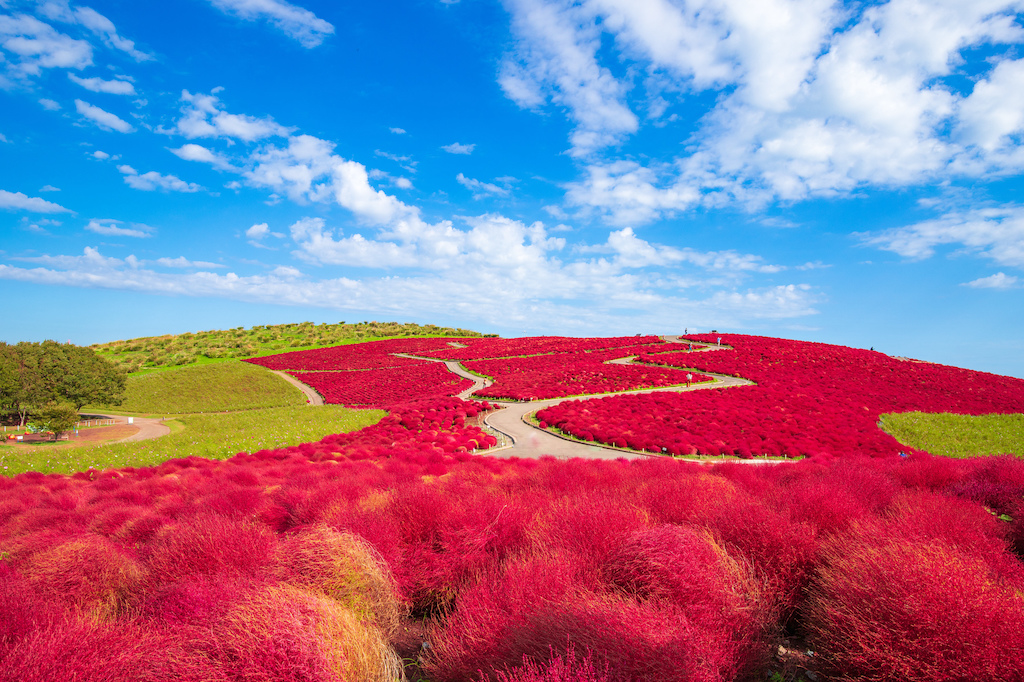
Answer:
(156, 352)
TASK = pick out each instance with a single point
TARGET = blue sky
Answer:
(848, 173)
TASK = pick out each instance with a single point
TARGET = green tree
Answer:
(55, 417)
(34, 375)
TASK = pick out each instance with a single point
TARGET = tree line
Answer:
(51, 381)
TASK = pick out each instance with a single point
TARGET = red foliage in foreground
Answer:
(810, 398)
(294, 564)
(290, 564)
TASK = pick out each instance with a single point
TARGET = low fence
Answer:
(94, 422)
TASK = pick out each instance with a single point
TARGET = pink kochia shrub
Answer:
(810, 399)
(385, 387)
(300, 564)
(564, 374)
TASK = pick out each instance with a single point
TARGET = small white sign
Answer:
(131, 420)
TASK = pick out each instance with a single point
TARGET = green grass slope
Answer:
(227, 386)
(211, 346)
(957, 435)
(214, 436)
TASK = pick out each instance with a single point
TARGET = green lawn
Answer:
(214, 436)
(955, 435)
(226, 386)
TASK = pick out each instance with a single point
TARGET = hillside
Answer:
(190, 348)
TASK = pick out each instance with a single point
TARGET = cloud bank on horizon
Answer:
(597, 165)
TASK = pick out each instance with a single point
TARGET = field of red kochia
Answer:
(298, 564)
(306, 563)
(810, 398)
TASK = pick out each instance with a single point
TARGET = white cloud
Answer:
(111, 87)
(260, 231)
(802, 98)
(632, 252)
(996, 281)
(37, 46)
(16, 201)
(195, 152)
(405, 162)
(996, 233)
(152, 180)
(103, 119)
(994, 111)
(100, 155)
(556, 59)
(49, 104)
(203, 116)
(111, 228)
(62, 10)
(183, 263)
(540, 293)
(456, 148)
(295, 22)
(397, 131)
(481, 189)
(318, 245)
(49, 188)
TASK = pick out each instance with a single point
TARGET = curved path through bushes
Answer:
(513, 420)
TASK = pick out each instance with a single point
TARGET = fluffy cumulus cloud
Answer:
(33, 45)
(195, 152)
(103, 119)
(93, 21)
(18, 201)
(152, 180)
(801, 98)
(995, 232)
(296, 22)
(204, 116)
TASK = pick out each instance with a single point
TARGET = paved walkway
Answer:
(149, 427)
(530, 441)
(312, 396)
(512, 419)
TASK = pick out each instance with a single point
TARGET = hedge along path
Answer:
(530, 441)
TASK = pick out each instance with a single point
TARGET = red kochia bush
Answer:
(914, 610)
(810, 399)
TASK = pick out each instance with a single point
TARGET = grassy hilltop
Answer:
(171, 350)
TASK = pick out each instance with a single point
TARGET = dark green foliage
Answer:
(33, 375)
(55, 418)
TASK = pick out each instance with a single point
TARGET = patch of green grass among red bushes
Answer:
(958, 435)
